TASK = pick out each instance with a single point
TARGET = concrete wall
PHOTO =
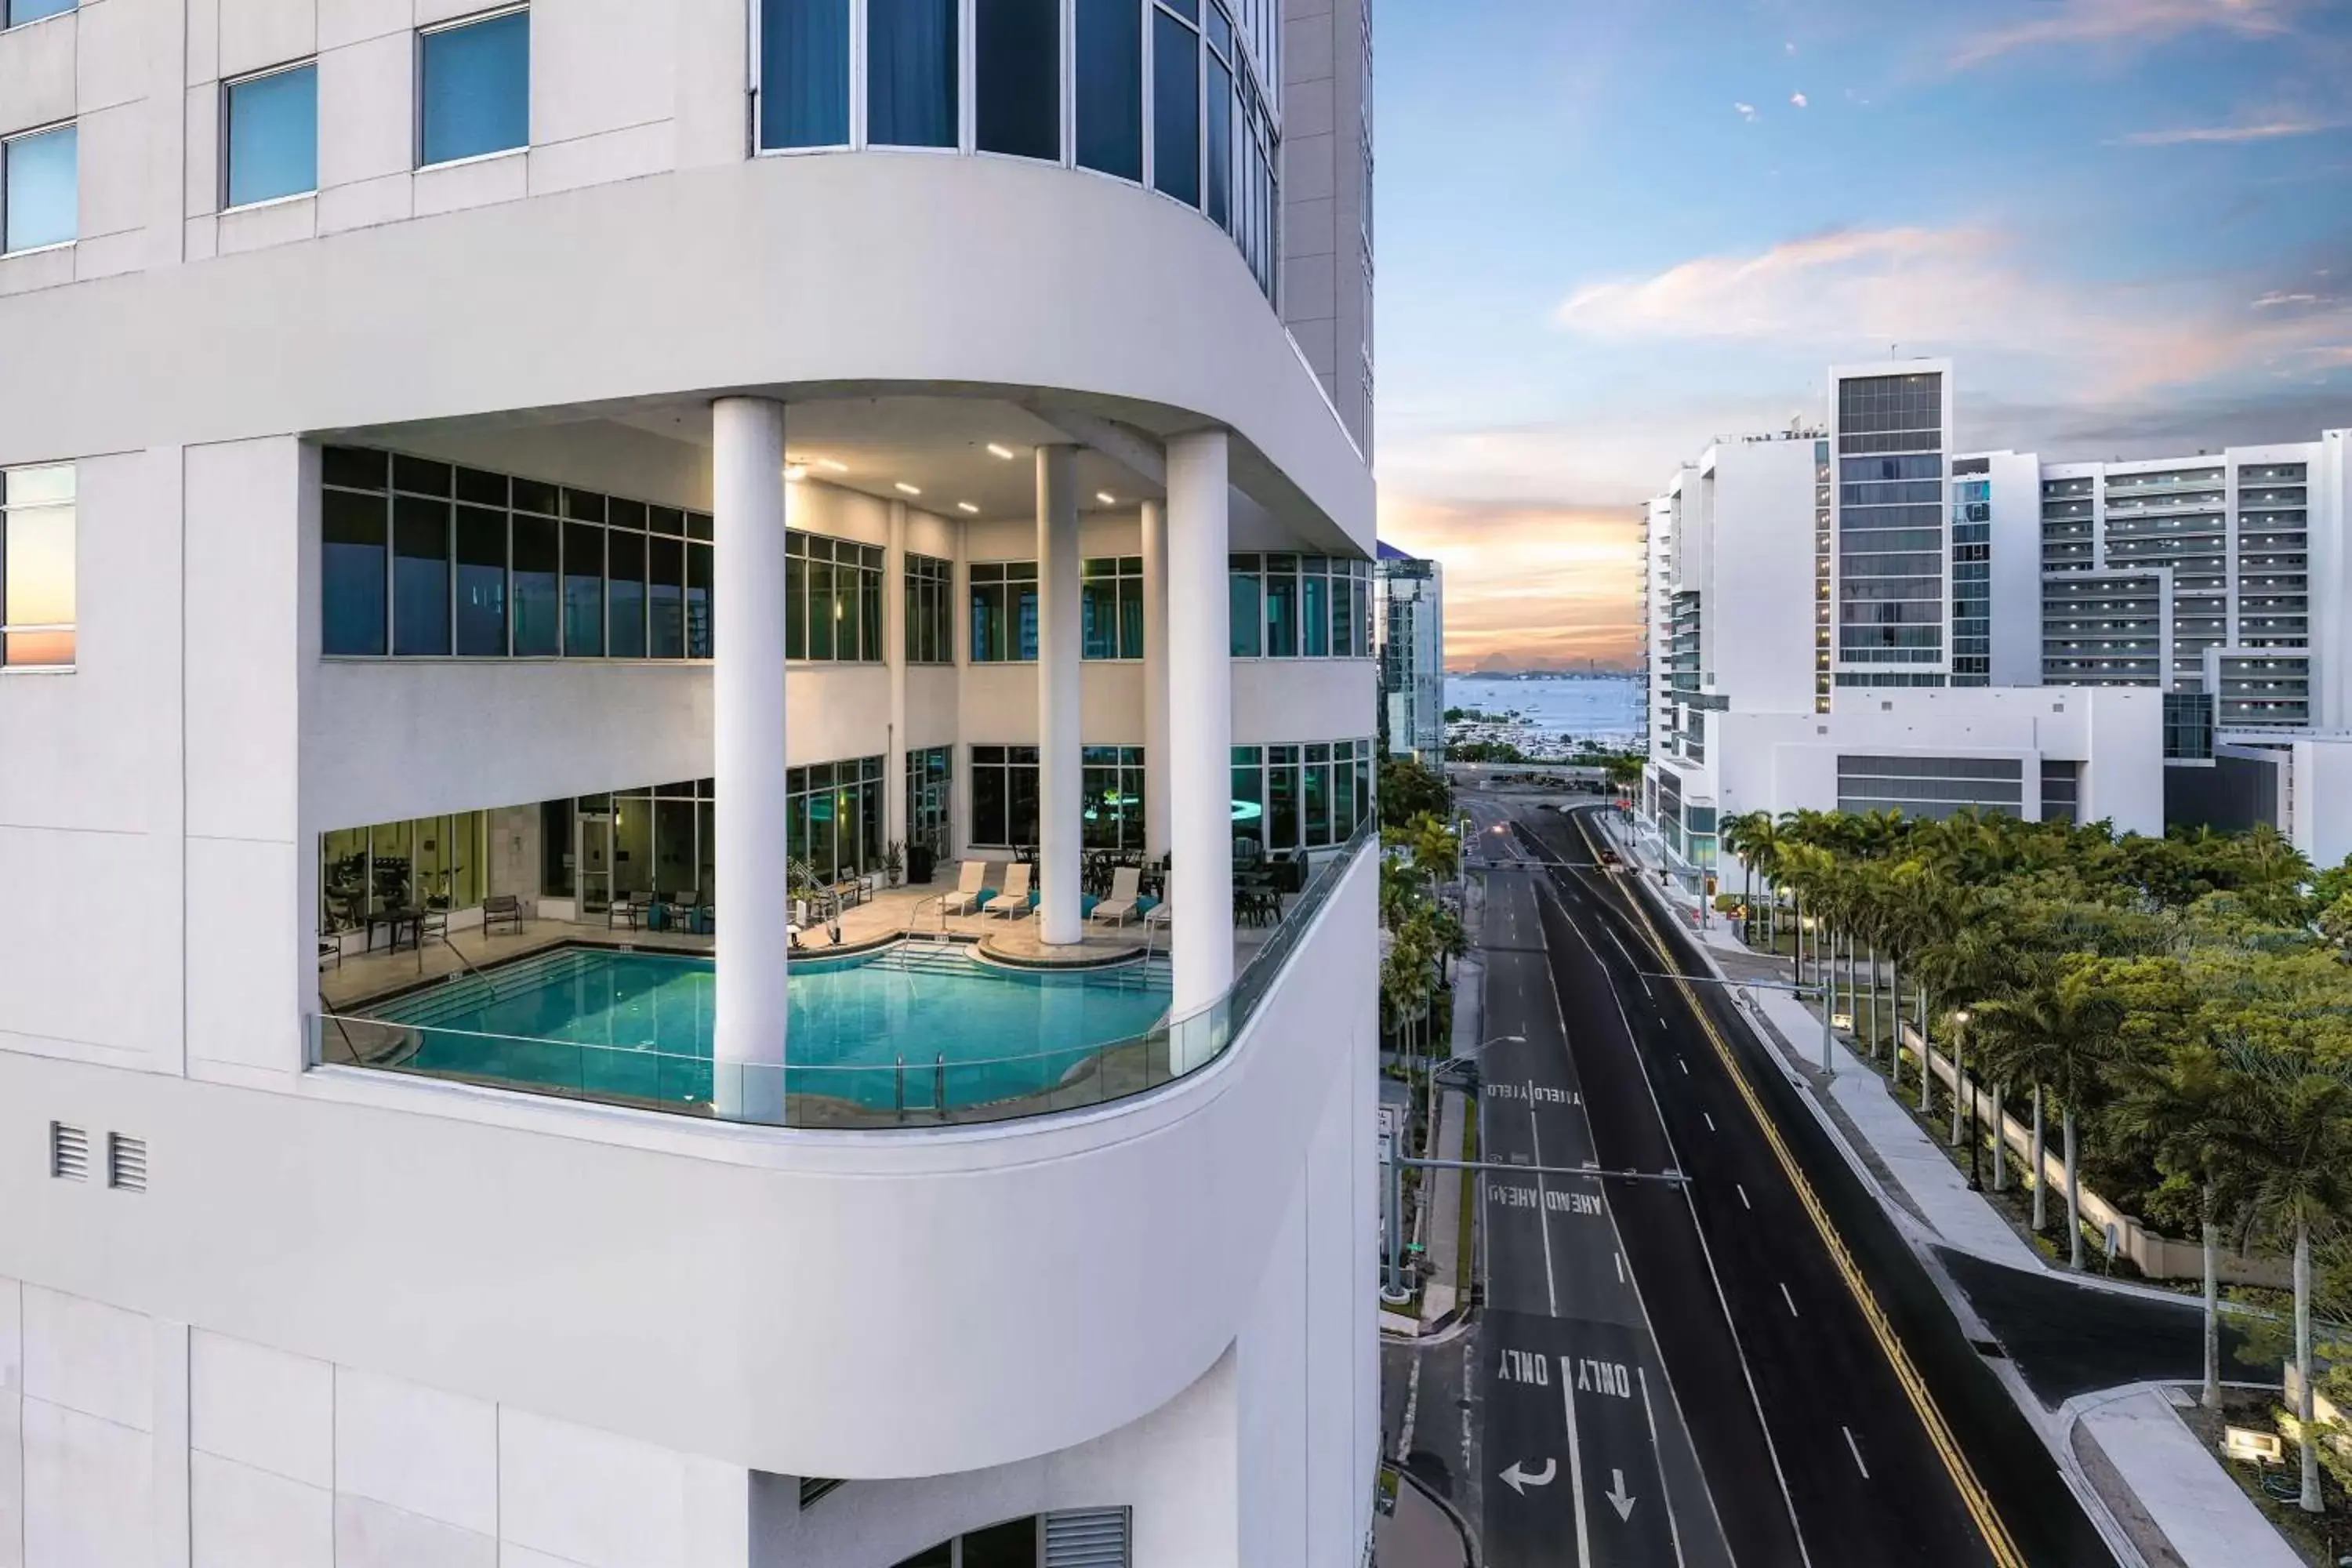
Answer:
(1759, 609)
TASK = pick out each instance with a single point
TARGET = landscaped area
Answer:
(2179, 1009)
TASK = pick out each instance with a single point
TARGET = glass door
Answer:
(593, 823)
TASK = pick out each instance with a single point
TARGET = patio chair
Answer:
(629, 910)
(971, 881)
(501, 909)
(1014, 901)
(1160, 913)
(1118, 905)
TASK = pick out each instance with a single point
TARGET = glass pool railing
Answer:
(931, 1075)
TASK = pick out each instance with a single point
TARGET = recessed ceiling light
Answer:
(829, 463)
(903, 488)
(1106, 497)
(967, 506)
(996, 451)
(795, 472)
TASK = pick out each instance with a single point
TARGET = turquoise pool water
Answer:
(638, 1025)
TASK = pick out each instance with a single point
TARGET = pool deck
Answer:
(888, 914)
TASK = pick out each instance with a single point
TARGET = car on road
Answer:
(1612, 861)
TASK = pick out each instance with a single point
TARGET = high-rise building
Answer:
(496, 506)
(1409, 614)
(2200, 602)
(1827, 609)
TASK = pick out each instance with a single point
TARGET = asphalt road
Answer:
(1586, 1457)
(1837, 1412)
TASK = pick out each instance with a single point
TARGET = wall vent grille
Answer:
(1087, 1538)
(68, 1153)
(126, 1163)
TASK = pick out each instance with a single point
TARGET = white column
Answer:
(1060, 781)
(1199, 761)
(894, 660)
(1155, 679)
(747, 685)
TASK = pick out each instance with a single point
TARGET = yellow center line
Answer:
(1972, 1492)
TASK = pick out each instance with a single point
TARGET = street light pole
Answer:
(1829, 1033)
(1959, 1086)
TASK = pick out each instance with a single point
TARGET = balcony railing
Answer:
(924, 1087)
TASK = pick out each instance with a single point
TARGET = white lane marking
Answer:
(1855, 1449)
(1575, 1459)
(1743, 1196)
(1620, 1265)
(1715, 1278)
(1535, 1132)
(1665, 1494)
(1683, 1063)
(1791, 1299)
(1710, 1121)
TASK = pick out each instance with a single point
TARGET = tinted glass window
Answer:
(538, 624)
(803, 73)
(1018, 49)
(481, 581)
(352, 609)
(910, 73)
(1110, 86)
(475, 82)
(420, 583)
(18, 12)
(273, 136)
(43, 200)
(1175, 108)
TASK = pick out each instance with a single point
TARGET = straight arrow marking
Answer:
(1618, 1497)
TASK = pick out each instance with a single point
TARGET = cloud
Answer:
(2275, 299)
(1798, 99)
(1527, 585)
(1789, 48)
(2124, 22)
(1962, 291)
(2257, 131)
(1747, 111)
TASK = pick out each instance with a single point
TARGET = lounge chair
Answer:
(970, 881)
(1161, 913)
(1118, 906)
(1014, 901)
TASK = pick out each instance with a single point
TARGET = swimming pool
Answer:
(915, 1027)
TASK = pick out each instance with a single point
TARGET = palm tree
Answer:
(2188, 1107)
(2295, 1138)
(2058, 1034)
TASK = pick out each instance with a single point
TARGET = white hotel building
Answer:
(1860, 616)
(559, 461)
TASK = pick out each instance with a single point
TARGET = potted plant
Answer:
(893, 860)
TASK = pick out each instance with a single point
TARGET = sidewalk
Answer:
(2148, 1471)
(1438, 1218)
(2201, 1518)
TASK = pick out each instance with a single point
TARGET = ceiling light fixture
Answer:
(903, 488)
(829, 463)
(996, 451)
(967, 506)
(795, 472)
(1106, 497)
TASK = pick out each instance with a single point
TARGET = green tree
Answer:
(2058, 1036)
(1409, 790)
(2295, 1138)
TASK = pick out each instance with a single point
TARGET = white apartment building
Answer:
(1826, 609)
(481, 474)
(1409, 627)
(2219, 580)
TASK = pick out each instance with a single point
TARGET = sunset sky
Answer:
(1609, 232)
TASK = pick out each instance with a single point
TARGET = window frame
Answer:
(72, 123)
(227, 91)
(416, 85)
(72, 628)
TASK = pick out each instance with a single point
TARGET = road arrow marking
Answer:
(1619, 1498)
(1519, 1479)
